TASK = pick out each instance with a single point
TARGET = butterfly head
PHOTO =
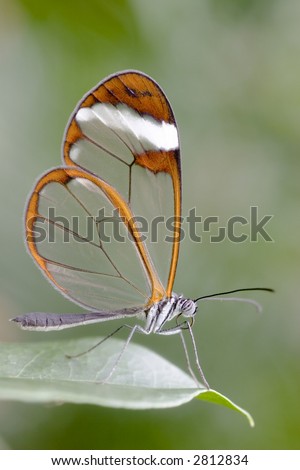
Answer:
(186, 307)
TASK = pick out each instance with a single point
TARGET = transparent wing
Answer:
(125, 132)
(83, 236)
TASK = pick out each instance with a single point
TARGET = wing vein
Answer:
(109, 152)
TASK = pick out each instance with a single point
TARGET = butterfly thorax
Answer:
(166, 310)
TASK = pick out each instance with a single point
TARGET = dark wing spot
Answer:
(137, 93)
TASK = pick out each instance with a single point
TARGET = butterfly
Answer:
(86, 220)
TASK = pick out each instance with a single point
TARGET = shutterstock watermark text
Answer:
(104, 228)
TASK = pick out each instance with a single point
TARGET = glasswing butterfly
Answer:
(121, 161)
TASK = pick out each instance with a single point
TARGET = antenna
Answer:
(266, 289)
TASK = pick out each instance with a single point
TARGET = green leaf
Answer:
(216, 397)
(42, 372)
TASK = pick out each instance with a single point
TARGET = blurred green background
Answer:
(231, 70)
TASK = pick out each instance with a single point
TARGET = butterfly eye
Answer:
(188, 307)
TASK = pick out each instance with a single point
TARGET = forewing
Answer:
(125, 132)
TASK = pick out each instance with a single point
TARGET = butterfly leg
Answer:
(178, 329)
(196, 356)
(72, 356)
(133, 330)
